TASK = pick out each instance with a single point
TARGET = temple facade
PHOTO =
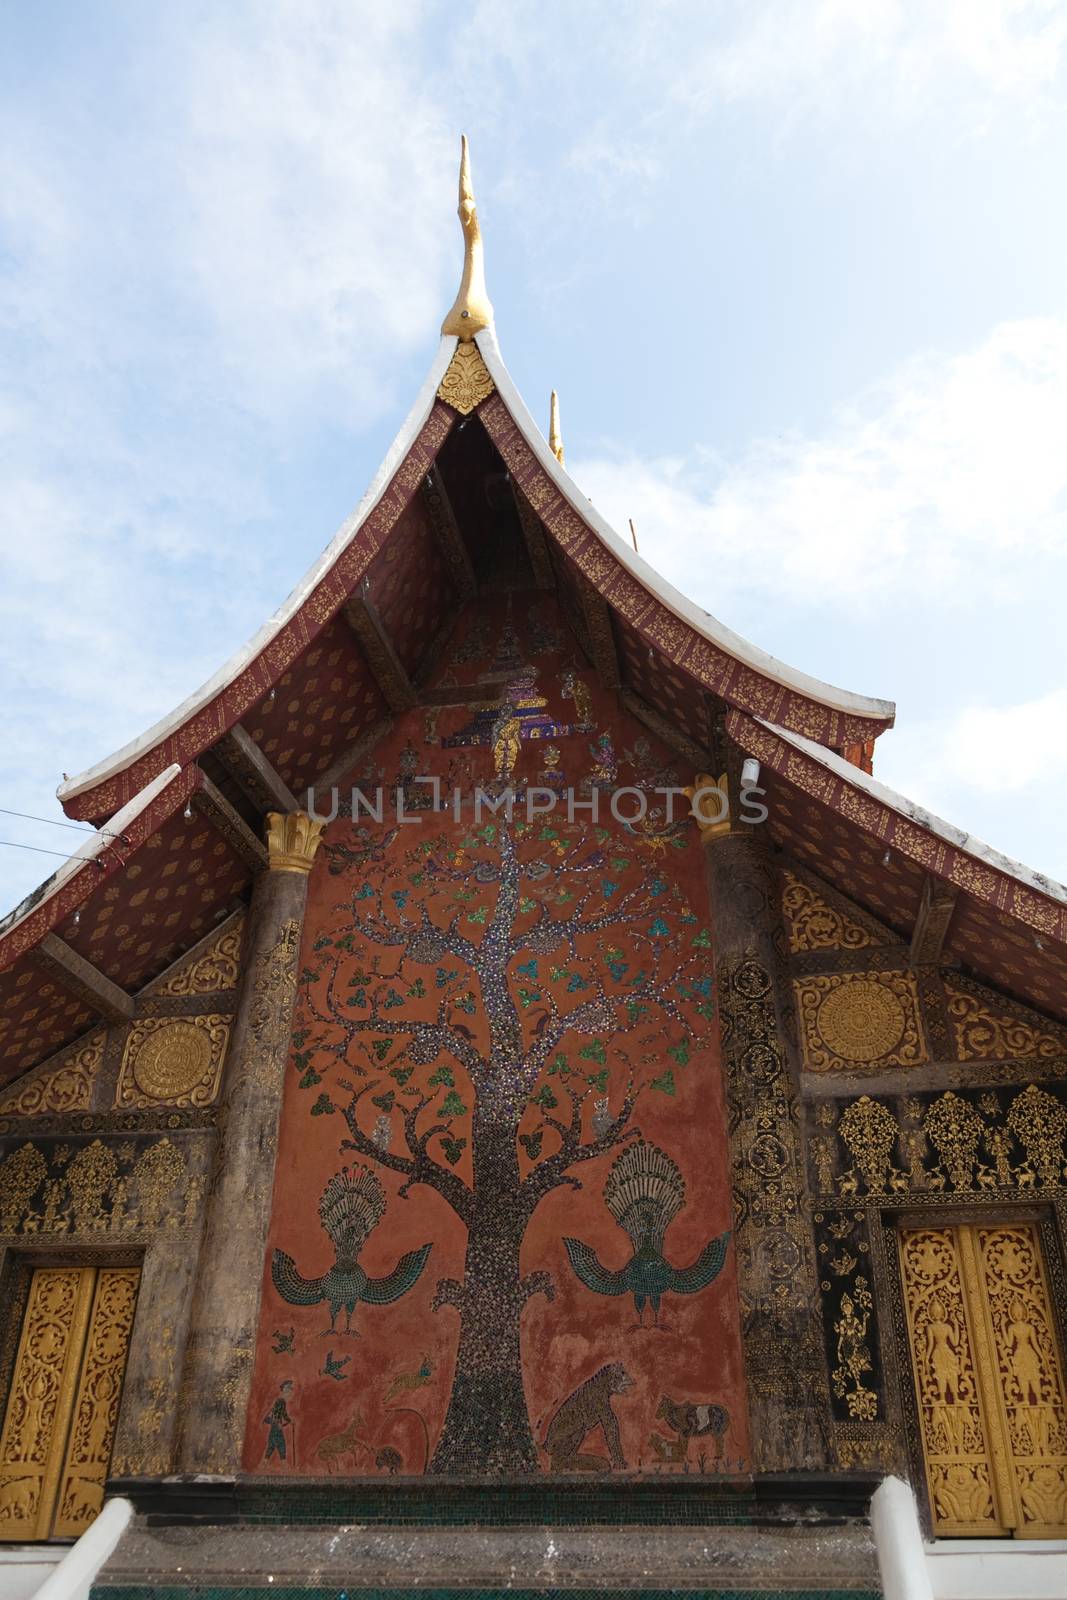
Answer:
(504, 1077)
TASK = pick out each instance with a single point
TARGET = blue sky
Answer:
(797, 270)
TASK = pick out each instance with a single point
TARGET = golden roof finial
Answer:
(473, 309)
(555, 438)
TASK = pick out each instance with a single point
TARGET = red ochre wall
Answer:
(381, 900)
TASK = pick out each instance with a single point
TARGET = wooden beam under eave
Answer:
(457, 559)
(658, 724)
(390, 674)
(534, 534)
(213, 805)
(597, 615)
(80, 978)
(347, 761)
(253, 772)
(936, 906)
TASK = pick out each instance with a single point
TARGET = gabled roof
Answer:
(469, 497)
(703, 650)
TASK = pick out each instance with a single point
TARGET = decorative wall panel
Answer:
(63, 1085)
(814, 922)
(985, 1144)
(500, 1240)
(41, 1398)
(170, 1061)
(989, 1378)
(851, 1023)
(96, 1405)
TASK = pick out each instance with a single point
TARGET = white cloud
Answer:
(239, 252)
(952, 464)
(990, 750)
(813, 58)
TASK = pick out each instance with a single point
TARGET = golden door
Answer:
(59, 1425)
(989, 1379)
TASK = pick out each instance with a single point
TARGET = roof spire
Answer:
(555, 438)
(473, 309)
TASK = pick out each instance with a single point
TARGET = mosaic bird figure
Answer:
(352, 1205)
(644, 1193)
(334, 1366)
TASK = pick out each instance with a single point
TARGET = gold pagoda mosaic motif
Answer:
(59, 1423)
(988, 1378)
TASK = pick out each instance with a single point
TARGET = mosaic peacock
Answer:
(644, 1193)
(352, 1205)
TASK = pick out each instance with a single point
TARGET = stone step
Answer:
(276, 1560)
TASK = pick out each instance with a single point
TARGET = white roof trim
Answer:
(917, 814)
(238, 662)
(94, 844)
(701, 621)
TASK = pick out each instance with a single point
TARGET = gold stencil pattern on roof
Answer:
(849, 1023)
(215, 968)
(467, 382)
(990, 1027)
(64, 1085)
(173, 1061)
(814, 924)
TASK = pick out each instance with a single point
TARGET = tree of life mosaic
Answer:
(500, 1242)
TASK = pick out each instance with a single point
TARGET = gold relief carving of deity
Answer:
(96, 1405)
(850, 1024)
(989, 1379)
(988, 1027)
(171, 1061)
(55, 1445)
(853, 1353)
(1031, 1388)
(216, 968)
(40, 1400)
(814, 924)
(956, 1446)
(66, 1085)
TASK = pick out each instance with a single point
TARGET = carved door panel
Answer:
(59, 1424)
(989, 1379)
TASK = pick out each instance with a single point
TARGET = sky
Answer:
(798, 269)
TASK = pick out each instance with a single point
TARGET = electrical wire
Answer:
(53, 822)
(12, 844)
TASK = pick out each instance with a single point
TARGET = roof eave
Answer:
(116, 763)
(707, 626)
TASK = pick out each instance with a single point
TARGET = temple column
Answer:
(788, 1398)
(221, 1346)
